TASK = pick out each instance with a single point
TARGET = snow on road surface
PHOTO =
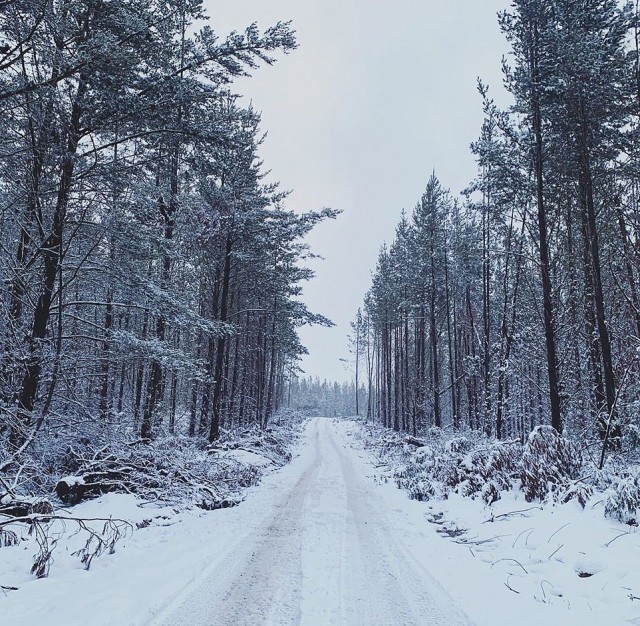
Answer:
(324, 551)
(319, 542)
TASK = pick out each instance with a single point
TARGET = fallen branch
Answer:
(556, 550)
(479, 542)
(616, 537)
(493, 518)
(38, 518)
(527, 530)
(97, 543)
(557, 531)
(509, 587)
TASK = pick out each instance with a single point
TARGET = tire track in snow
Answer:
(259, 582)
(393, 587)
(326, 554)
(267, 591)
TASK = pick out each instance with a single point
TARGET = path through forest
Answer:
(326, 553)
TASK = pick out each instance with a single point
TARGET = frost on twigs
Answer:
(99, 542)
(549, 463)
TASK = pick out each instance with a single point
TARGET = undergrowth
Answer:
(545, 468)
(175, 471)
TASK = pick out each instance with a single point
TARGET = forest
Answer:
(518, 305)
(311, 397)
(149, 275)
(481, 466)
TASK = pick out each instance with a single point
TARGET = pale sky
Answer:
(377, 95)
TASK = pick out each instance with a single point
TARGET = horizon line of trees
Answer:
(312, 397)
(521, 305)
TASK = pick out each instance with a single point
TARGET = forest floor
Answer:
(327, 539)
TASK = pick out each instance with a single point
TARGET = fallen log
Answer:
(75, 489)
(11, 506)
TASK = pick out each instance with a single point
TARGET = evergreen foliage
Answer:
(518, 308)
(150, 277)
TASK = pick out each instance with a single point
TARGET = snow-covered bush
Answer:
(579, 491)
(498, 467)
(549, 463)
(424, 457)
(503, 464)
(479, 467)
(449, 469)
(458, 445)
(391, 446)
(419, 487)
(631, 437)
(490, 492)
(547, 467)
(623, 498)
(414, 473)
(414, 476)
(603, 479)
(472, 467)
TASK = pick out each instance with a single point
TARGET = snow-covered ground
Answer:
(317, 547)
(325, 541)
(526, 562)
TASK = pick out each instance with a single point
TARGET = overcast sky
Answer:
(378, 95)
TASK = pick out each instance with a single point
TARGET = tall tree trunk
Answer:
(52, 251)
(486, 311)
(507, 328)
(543, 239)
(628, 257)
(435, 370)
(453, 375)
(272, 367)
(586, 189)
(105, 409)
(155, 383)
(594, 356)
(214, 429)
(396, 379)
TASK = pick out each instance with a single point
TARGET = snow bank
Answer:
(157, 535)
(515, 557)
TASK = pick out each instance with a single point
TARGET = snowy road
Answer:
(317, 547)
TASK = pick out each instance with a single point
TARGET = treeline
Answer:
(520, 306)
(312, 397)
(148, 275)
